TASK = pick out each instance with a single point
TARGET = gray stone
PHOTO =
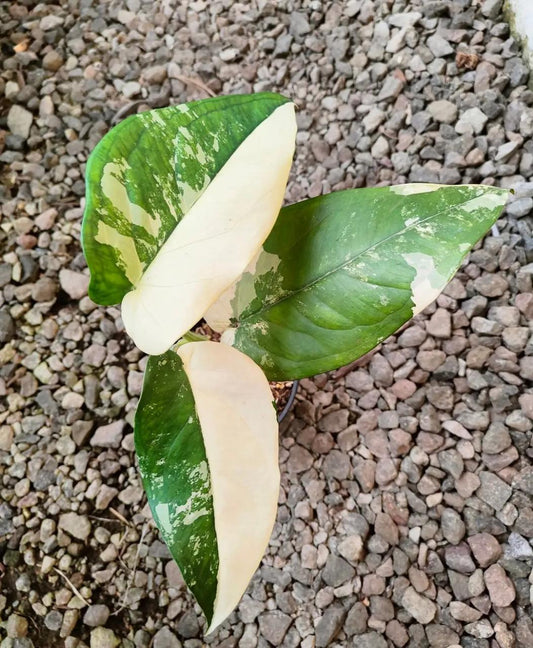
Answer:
(75, 284)
(520, 207)
(505, 151)
(439, 47)
(299, 26)
(486, 548)
(356, 620)
(371, 640)
(52, 61)
(472, 120)
(359, 381)
(299, 459)
(453, 528)
(131, 88)
(249, 609)
(51, 21)
(337, 571)
(441, 396)
(390, 89)
(443, 111)
(516, 338)
(419, 607)
(351, 548)
(337, 465)
(412, 337)
(491, 8)
(275, 576)
(459, 559)
(523, 480)
(481, 629)
(491, 285)
(440, 324)
(493, 490)
(53, 620)
(44, 290)
(17, 626)
(329, 625)
(188, 626)
(501, 589)
(381, 371)
(518, 547)
(229, 54)
(517, 71)
(106, 638)
(526, 368)
(441, 636)
(165, 638)
(7, 327)
(459, 584)
(96, 615)
(496, 438)
(19, 121)
(485, 326)
(273, 626)
(78, 526)
(373, 119)
(463, 612)
(108, 436)
(334, 421)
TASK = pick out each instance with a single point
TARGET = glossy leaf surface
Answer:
(178, 201)
(206, 437)
(340, 273)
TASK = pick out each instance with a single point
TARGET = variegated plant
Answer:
(183, 222)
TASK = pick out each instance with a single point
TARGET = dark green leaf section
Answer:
(175, 474)
(340, 273)
(145, 174)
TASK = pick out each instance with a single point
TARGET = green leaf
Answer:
(206, 437)
(170, 193)
(175, 473)
(340, 273)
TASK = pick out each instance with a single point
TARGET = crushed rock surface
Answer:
(406, 508)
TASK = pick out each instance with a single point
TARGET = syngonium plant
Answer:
(183, 222)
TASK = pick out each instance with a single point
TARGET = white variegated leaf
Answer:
(340, 273)
(179, 200)
(207, 438)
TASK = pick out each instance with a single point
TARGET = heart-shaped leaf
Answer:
(179, 200)
(207, 440)
(340, 273)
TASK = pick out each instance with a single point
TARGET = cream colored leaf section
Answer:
(235, 299)
(427, 283)
(217, 238)
(240, 432)
(414, 188)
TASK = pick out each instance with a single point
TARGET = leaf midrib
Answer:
(341, 266)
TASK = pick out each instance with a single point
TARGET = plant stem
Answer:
(190, 336)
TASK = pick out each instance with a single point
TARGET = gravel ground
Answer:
(406, 513)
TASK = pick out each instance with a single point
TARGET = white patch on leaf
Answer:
(162, 510)
(414, 188)
(427, 283)
(128, 255)
(114, 190)
(487, 200)
(241, 294)
(189, 195)
(240, 432)
(216, 239)
(228, 336)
